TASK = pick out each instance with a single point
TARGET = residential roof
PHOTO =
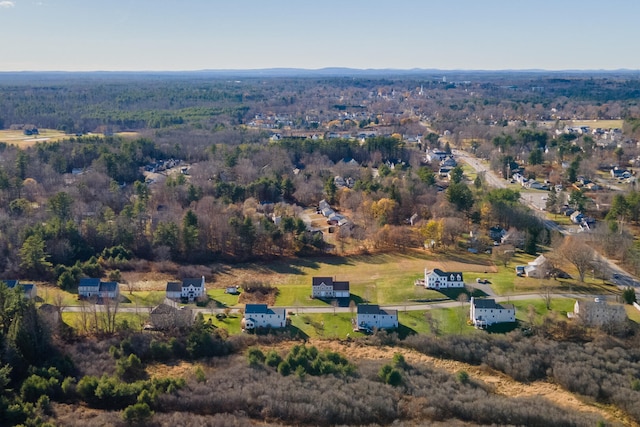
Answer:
(27, 287)
(90, 281)
(255, 309)
(262, 309)
(108, 286)
(195, 282)
(174, 287)
(163, 309)
(340, 286)
(317, 281)
(448, 274)
(375, 309)
(11, 283)
(538, 261)
(490, 304)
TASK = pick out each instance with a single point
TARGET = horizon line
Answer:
(336, 68)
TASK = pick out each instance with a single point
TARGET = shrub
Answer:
(138, 413)
(200, 376)
(160, 351)
(399, 361)
(284, 368)
(130, 368)
(629, 295)
(463, 377)
(255, 356)
(273, 359)
(34, 387)
(389, 375)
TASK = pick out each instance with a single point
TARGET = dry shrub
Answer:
(188, 271)
(256, 291)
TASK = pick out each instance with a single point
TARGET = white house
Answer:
(372, 316)
(598, 312)
(437, 279)
(486, 312)
(189, 289)
(326, 287)
(538, 268)
(94, 288)
(261, 316)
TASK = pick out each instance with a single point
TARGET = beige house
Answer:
(598, 312)
(538, 268)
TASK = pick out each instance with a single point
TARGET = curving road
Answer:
(616, 274)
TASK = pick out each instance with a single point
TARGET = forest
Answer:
(175, 172)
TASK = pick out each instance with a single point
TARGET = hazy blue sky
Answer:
(250, 34)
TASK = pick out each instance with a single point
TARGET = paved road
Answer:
(330, 309)
(616, 274)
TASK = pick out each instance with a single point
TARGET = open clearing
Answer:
(19, 139)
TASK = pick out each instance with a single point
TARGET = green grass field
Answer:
(380, 278)
(142, 298)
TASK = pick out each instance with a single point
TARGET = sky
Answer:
(181, 35)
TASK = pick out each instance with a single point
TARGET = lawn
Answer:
(17, 137)
(222, 299)
(143, 298)
(448, 320)
(334, 326)
(379, 278)
(56, 296)
(558, 305)
(135, 321)
(231, 323)
(633, 313)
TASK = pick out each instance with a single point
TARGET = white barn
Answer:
(486, 312)
(438, 279)
(261, 316)
(372, 316)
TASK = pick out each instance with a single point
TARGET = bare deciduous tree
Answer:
(503, 254)
(578, 253)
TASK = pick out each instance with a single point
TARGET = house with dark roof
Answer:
(438, 279)
(189, 289)
(486, 312)
(29, 290)
(370, 316)
(261, 316)
(326, 287)
(94, 288)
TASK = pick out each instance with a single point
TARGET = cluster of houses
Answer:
(529, 183)
(162, 165)
(445, 160)
(333, 218)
